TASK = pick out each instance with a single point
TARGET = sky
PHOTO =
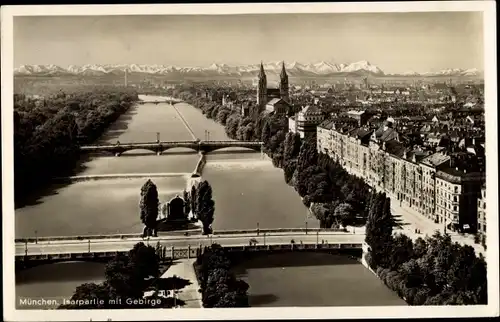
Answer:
(395, 42)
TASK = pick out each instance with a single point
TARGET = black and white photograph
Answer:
(322, 160)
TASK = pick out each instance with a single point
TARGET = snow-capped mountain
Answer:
(322, 68)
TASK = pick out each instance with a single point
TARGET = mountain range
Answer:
(294, 69)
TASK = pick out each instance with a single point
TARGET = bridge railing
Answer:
(125, 144)
(187, 251)
(195, 232)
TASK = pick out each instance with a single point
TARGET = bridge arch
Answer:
(181, 149)
(136, 150)
(213, 148)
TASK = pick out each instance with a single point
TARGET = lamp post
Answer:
(36, 237)
(264, 239)
(258, 230)
(89, 245)
(158, 137)
(306, 227)
(317, 237)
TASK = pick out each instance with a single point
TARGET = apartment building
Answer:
(416, 179)
(481, 212)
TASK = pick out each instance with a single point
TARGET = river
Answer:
(247, 189)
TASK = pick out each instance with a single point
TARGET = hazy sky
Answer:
(396, 42)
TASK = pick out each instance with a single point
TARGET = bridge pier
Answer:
(158, 153)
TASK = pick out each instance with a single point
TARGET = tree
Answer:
(402, 251)
(193, 199)
(291, 147)
(205, 206)
(266, 134)
(322, 212)
(187, 202)
(379, 229)
(288, 170)
(149, 206)
(145, 261)
(345, 213)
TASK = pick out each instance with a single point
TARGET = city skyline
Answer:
(456, 40)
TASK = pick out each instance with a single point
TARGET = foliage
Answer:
(204, 207)
(149, 206)
(344, 212)
(49, 130)
(219, 286)
(127, 277)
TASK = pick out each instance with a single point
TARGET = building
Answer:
(360, 116)
(306, 121)
(456, 198)
(278, 106)
(427, 183)
(265, 94)
(481, 212)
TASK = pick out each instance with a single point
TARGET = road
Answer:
(427, 227)
(111, 245)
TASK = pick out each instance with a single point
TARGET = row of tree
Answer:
(338, 197)
(218, 284)
(430, 271)
(128, 277)
(202, 204)
(421, 272)
(48, 131)
(199, 200)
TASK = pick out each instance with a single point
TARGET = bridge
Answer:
(156, 102)
(175, 246)
(162, 146)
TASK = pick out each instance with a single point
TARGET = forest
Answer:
(49, 130)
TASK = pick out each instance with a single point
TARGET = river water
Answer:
(247, 189)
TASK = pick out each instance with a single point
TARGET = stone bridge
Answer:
(162, 146)
(156, 102)
(29, 253)
(173, 252)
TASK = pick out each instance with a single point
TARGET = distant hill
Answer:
(294, 69)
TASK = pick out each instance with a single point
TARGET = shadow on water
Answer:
(261, 299)
(52, 188)
(119, 126)
(242, 263)
(36, 197)
(61, 272)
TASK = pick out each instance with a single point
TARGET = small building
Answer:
(307, 120)
(278, 106)
(360, 116)
(174, 210)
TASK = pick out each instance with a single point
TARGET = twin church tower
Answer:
(265, 94)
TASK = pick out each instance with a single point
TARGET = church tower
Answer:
(262, 89)
(284, 84)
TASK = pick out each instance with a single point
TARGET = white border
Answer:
(492, 309)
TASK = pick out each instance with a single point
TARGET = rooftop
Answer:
(311, 109)
(436, 159)
(276, 101)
